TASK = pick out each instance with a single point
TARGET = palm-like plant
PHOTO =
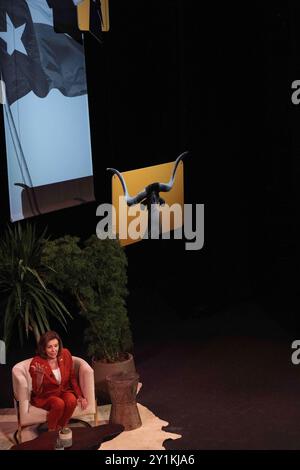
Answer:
(26, 300)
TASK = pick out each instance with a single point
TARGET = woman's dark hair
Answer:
(44, 340)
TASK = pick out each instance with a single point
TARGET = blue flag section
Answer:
(46, 111)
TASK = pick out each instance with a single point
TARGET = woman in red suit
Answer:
(54, 385)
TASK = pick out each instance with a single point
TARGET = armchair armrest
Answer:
(86, 382)
(27, 414)
(20, 386)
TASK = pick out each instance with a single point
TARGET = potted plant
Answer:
(26, 300)
(94, 273)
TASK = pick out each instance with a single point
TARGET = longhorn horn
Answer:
(167, 187)
(129, 199)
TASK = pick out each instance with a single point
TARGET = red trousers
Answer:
(60, 409)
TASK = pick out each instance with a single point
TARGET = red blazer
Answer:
(50, 387)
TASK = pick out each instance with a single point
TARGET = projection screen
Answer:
(46, 114)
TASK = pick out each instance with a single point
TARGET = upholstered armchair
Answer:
(29, 415)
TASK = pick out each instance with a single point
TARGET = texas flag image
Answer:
(34, 57)
(46, 112)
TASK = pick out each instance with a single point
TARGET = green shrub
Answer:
(94, 274)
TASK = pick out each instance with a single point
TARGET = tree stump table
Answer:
(122, 389)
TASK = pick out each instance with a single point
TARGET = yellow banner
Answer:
(83, 15)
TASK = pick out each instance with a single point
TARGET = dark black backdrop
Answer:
(213, 78)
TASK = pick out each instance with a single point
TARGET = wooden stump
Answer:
(124, 410)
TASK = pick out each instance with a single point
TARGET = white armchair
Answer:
(29, 415)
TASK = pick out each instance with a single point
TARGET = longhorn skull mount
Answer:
(149, 197)
(150, 194)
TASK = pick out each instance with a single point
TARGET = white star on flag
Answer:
(13, 37)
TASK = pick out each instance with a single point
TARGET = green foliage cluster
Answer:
(26, 300)
(94, 273)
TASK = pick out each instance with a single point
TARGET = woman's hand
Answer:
(82, 402)
(39, 372)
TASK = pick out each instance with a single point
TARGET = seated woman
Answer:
(54, 385)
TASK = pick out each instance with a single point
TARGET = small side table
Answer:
(122, 389)
(83, 438)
